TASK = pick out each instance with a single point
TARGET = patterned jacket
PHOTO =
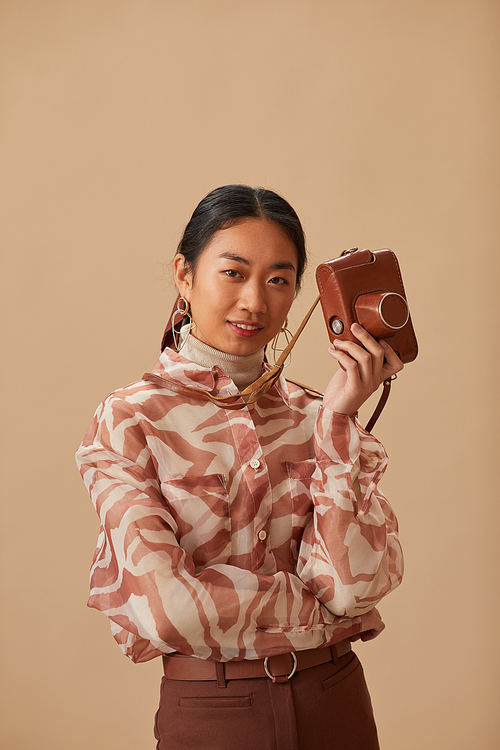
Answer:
(235, 534)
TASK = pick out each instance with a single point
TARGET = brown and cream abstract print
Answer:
(235, 534)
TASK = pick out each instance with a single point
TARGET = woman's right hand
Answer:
(363, 367)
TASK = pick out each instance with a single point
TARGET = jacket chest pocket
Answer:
(299, 475)
(200, 507)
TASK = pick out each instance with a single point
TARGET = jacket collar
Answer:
(175, 369)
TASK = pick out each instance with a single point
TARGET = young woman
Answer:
(244, 540)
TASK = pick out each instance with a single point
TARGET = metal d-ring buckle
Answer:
(289, 677)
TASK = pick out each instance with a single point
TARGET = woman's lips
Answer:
(245, 329)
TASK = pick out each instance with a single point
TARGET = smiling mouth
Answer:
(246, 327)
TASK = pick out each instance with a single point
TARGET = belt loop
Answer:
(221, 674)
(335, 655)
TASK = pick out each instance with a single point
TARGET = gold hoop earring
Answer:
(184, 310)
(180, 334)
(278, 350)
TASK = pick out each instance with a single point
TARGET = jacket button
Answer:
(255, 463)
(262, 535)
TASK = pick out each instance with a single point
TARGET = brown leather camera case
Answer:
(366, 287)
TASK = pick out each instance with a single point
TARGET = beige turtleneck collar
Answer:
(241, 370)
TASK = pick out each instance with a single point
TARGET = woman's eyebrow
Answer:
(236, 258)
(284, 265)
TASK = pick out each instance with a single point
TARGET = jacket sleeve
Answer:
(350, 556)
(148, 586)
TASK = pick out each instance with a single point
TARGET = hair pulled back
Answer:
(229, 205)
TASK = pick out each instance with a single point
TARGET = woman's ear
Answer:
(183, 276)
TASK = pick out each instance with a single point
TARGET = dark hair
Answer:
(230, 204)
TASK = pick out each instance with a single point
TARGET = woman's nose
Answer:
(252, 298)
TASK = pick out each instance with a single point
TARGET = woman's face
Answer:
(243, 287)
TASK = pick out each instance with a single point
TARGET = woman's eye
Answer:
(231, 273)
(277, 280)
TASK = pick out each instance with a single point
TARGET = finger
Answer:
(370, 344)
(386, 362)
(392, 362)
(362, 358)
(336, 356)
(346, 362)
(374, 347)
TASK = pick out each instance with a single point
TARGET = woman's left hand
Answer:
(362, 369)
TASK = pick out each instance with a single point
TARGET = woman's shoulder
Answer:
(133, 401)
(131, 392)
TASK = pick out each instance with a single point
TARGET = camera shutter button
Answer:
(337, 326)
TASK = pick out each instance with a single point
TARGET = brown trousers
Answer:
(326, 707)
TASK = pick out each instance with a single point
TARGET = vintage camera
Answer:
(365, 287)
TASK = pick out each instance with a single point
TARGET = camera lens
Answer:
(382, 313)
(393, 310)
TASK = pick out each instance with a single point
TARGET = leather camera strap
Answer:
(381, 403)
(260, 386)
(251, 393)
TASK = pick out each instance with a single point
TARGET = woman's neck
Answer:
(241, 370)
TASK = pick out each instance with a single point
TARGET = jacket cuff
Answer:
(336, 437)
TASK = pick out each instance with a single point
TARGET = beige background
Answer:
(379, 121)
